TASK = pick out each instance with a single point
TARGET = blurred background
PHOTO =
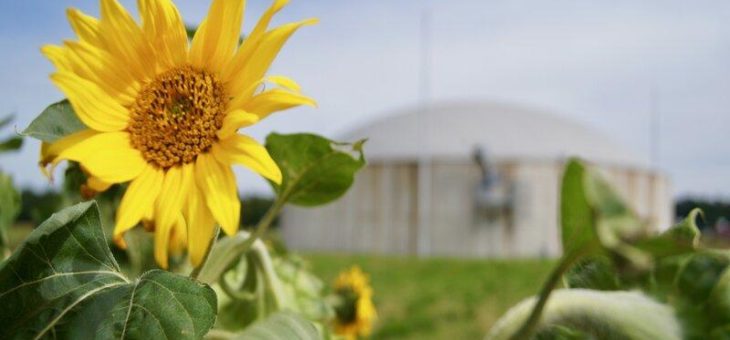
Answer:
(471, 109)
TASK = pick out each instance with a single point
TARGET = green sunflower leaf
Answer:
(64, 283)
(56, 121)
(681, 238)
(576, 215)
(592, 314)
(594, 272)
(699, 276)
(280, 326)
(315, 170)
(595, 218)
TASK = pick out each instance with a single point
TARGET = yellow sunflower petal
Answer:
(218, 185)
(263, 24)
(85, 26)
(249, 44)
(125, 39)
(45, 159)
(265, 103)
(285, 82)
(249, 153)
(94, 186)
(140, 195)
(92, 105)
(235, 120)
(175, 187)
(50, 151)
(58, 57)
(107, 156)
(164, 28)
(179, 236)
(100, 67)
(217, 37)
(97, 184)
(259, 61)
(201, 227)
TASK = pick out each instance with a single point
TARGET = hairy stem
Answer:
(265, 222)
(210, 271)
(530, 325)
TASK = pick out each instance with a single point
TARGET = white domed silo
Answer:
(491, 188)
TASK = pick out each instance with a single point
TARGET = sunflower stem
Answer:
(220, 265)
(530, 325)
(265, 222)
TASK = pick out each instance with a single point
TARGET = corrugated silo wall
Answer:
(379, 213)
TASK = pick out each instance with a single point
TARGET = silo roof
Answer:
(454, 130)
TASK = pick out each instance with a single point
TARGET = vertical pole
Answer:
(424, 159)
(654, 154)
(654, 129)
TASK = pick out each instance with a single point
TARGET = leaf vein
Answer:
(71, 306)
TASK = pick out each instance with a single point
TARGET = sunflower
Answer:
(164, 116)
(355, 312)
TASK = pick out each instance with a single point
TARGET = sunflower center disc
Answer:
(176, 116)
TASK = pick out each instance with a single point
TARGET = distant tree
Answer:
(253, 208)
(38, 206)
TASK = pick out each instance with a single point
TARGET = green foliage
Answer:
(304, 288)
(679, 239)
(558, 332)
(56, 121)
(260, 284)
(39, 205)
(590, 314)
(253, 284)
(64, 282)
(11, 143)
(604, 272)
(673, 267)
(10, 203)
(315, 170)
(595, 272)
(280, 326)
(9, 210)
(6, 121)
(699, 275)
(576, 217)
(595, 219)
(190, 31)
(253, 209)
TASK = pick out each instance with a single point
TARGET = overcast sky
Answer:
(597, 63)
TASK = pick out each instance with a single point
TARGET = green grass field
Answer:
(439, 298)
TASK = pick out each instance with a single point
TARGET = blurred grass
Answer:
(18, 233)
(438, 298)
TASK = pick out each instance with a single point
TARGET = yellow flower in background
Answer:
(165, 116)
(355, 312)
